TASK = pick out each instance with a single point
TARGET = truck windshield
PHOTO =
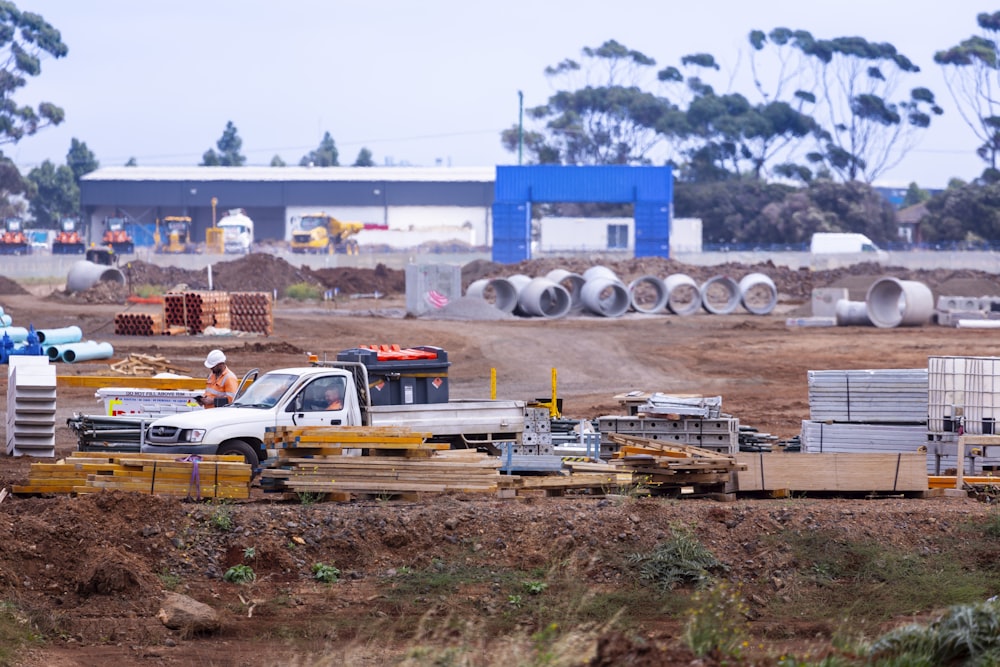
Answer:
(266, 391)
(310, 222)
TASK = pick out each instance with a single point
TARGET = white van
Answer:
(846, 243)
(237, 231)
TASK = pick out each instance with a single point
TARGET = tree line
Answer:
(793, 153)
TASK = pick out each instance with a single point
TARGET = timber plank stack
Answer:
(152, 474)
(675, 468)
(138, 364)
(397, 462)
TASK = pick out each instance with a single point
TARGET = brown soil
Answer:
(91, 571)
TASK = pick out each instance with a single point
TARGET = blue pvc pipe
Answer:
(52, 352)
(16, 334)
(71, 334)
(85, 351)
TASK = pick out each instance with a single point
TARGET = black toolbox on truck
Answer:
(414, 375)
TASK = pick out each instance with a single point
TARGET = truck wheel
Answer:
(242, 449)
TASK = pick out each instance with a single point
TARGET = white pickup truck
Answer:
(296, 397)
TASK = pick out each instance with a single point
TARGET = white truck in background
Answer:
(831, 249)
(237, 232)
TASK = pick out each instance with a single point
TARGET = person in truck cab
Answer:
(222, 383)
(335, 397)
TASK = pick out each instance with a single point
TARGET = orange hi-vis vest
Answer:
(222, 386)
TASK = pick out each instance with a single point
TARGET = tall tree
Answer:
(55, 194)
(25, 38)
(972, 74)
(866, 125)
(80, 160)
(228, 146)
(276, 161)
(325, 155)
(612, 122)
(364, 159)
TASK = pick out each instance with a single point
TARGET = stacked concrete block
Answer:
(717, 434)
(537, 436)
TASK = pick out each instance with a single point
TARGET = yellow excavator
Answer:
(322, 233)
(173, 235)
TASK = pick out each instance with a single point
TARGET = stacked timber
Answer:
(341, 463)
(780, 473)
(138, 324)
(138, 364)
(667, 468)
(154, 474)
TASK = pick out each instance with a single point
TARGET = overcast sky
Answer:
(419, 83)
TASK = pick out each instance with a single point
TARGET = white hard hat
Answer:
(214, 358)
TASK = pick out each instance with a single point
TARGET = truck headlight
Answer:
(195, 435)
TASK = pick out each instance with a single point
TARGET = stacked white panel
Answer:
(896, 395)
(31, 407)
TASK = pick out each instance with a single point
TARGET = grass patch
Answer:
(680, 559)
(870, 582)
(146, 291)
(303, 292)
(16, 631)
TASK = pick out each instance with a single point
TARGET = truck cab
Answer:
(237, 232)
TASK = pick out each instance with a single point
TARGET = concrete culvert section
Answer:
(544, 298)
(852, 314)
(648, 294)
(758, 293)
(83, 275)
(607, 297)
(498, 292)
(894, 303)
(720, 295)
(683, 294)
(518, 281)
(572, 282)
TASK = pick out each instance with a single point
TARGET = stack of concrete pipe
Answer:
(599, 291)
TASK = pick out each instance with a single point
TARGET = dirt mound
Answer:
(363, 281)
(258, 272)
(8, 286)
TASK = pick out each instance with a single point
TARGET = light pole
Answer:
(520, 126)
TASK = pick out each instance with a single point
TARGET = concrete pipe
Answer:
(758, 294)
(852, 313)
(83, 275)
(720, 295)
(893, 303)
(499, 292)
(71, 334)
(607, 297)
(519, 281)
(648, 294)
(544, 298)
(572, 283)
(683, 295)
(85, 351)
(599, 271)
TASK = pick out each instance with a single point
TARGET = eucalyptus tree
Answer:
(972, 74)
(852, 88)
(604, 116)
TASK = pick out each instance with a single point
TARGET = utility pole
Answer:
(520, 126)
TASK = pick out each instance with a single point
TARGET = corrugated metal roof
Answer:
(274, 174)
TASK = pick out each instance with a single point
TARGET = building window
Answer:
(617, 237)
